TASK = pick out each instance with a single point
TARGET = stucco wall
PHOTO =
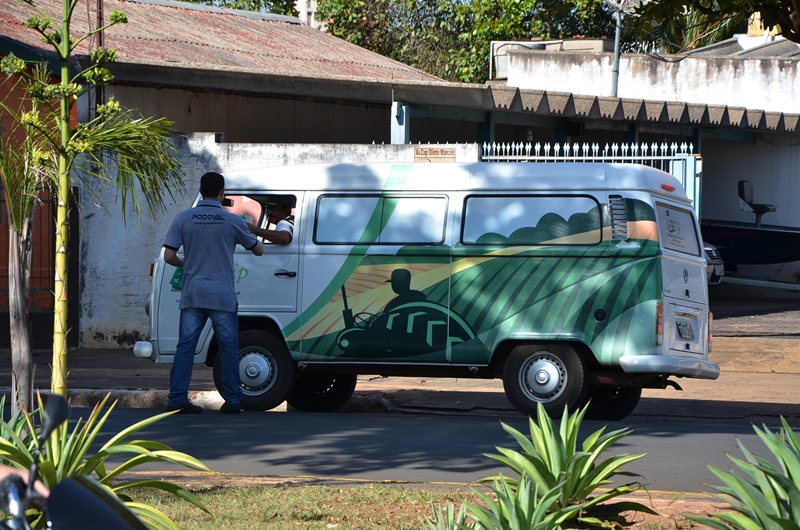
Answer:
(766, 84)
(115, 258)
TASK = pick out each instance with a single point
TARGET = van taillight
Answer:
(152, 268)
(659, 323)
(710, 334)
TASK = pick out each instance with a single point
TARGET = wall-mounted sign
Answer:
(434, 154)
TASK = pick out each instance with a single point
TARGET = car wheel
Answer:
(611, 403)
(266, 370)
(321, 392)
(554, 375)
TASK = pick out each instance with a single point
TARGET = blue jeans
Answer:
(226, 330)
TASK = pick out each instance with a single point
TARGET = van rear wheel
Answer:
(554, 375)
(321, 392)
(610, 403)
(266, 370)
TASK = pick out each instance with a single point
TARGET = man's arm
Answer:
(171, 257)
(258, 249)
(280, 237)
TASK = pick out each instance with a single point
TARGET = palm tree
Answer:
(118, 147)
(27, 167)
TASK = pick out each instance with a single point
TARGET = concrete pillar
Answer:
(401, 123)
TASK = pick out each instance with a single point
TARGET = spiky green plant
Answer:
(446, 518)
(69, 455)
(769, 498)
(509, 507)
(557, 481)
(552, 459)
(521, 504)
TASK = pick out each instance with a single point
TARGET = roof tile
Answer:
(188, 35)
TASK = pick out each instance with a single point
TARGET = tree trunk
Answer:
(19, 266)
(58, 381)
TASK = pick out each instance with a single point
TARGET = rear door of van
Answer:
(684, 279)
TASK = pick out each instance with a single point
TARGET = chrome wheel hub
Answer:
(543, 377)
(256, 372)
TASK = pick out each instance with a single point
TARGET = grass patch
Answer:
(308, 507)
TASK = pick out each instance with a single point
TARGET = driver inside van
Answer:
(279, 213)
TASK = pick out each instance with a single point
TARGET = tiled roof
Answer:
(179, 34)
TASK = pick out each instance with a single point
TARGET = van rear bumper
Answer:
(668, 365)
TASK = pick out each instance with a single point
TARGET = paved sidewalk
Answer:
(759, 380)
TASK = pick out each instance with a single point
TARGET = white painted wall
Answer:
(769, 84)
(115, 259)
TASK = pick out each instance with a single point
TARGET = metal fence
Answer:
(676, 159)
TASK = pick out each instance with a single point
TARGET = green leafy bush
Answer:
(556, 481)
(769, 498)
(67, 454)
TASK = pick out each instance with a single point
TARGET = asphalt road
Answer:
(423, 448)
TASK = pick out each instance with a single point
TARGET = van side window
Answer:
(526, 220)
(382, 220)
(250, 207)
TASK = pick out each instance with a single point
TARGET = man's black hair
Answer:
(211, 184)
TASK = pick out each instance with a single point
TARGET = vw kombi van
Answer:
(574, 283)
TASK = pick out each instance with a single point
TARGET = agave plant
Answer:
(552, 460)
(446, 518)
(509, 507)
(69, 455)
(556, 481)
(769, 498)
(520, 504)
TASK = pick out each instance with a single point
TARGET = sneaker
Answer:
(188, 408)
(230, 408)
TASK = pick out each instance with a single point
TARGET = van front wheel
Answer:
(554, 375)
(321, 392)
(266, 370)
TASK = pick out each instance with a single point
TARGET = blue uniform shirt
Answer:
(208, 235)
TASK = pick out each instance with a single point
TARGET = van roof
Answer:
(508, 176)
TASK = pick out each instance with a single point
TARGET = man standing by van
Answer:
(208, 235)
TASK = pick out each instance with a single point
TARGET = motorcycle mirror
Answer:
(56, 412)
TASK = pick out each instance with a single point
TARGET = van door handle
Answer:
(288, 274)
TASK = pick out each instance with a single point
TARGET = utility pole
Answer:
(621, 8)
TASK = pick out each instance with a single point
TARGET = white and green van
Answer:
(570, 281)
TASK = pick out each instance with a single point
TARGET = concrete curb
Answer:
(369, 401)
